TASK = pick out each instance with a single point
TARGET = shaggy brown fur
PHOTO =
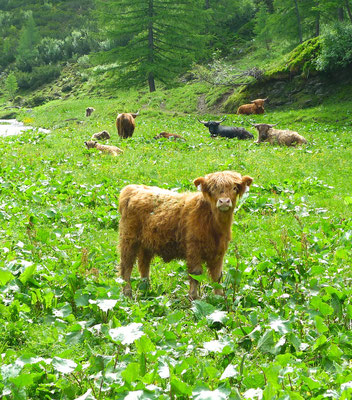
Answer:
(103, 135)
(257, 107)
(89, 111)
(113, 150)
(195, 227)
(166, 135)
(278, 136)
(126, 124)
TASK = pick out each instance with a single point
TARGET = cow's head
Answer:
(90, 144)
(222, 189)
(259, 102)
(212, 125)
(134, 115)
(263, 130)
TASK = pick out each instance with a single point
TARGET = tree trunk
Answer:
(340, 15)
(207, 4)
(317, 25)
(348, 8)
(151, 81)
(298, 22)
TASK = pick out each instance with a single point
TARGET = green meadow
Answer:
(283, 328)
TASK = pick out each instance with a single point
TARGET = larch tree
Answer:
(153, 39)
(26, 50)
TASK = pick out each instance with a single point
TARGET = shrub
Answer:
(18, 100)
(337, 48)
(51, 50)
(39, 76)
(37, 100)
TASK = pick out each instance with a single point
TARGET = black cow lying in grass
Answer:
(230, 132)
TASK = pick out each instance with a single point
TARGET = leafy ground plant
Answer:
(283, 328)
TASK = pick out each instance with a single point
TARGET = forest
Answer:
(201, 80)
(148, 41)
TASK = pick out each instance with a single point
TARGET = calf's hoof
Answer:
(219, 292)
(127, 290)
(193, 296)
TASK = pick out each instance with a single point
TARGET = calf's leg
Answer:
(194, 264)
(144, 258)
(215, 271)
(129, 250)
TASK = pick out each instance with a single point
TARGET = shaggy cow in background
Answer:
(282, 137)
(103, 135)
(113, 150)
(167, 135)
(195, 227)
(125, 124)
(89, 111)
(256, 107)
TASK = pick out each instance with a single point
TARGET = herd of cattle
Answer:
(125, 124)
(192, 226)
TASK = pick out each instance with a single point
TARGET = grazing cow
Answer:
(89, 111)
(166, 135)
(195, 226)
(103, 135)
(278, 136)
(125, 124)
(257, 107)
(113, 150)
(226, 131)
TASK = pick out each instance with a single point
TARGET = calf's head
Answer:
(222, 189)
(259, 102)
(90, 144)
(263, 130)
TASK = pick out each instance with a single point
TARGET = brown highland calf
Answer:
(195, 227)
(113, 150)
(167, 135)
(282, 137)
(103, 135)
(126, 124)
(257, 107)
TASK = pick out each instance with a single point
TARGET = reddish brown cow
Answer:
(125, 124)
(256, 107)
(167, 135)
(195, 227)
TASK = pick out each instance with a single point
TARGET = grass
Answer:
(283, 328)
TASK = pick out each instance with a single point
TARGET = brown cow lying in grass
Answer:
(166, 135)
(257, 107)
(278, 136)
(195, 227)
(103, 135)
(125, 124)
(113, 150)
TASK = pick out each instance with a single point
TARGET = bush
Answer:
(337, 48)
(39, 76)
(51, 50)
(37, 100)
(18, 101)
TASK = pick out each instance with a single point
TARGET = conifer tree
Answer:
(27, 51)
(11, 85)
(155, 39)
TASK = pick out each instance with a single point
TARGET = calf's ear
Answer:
(245, 184)
(199, 183)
